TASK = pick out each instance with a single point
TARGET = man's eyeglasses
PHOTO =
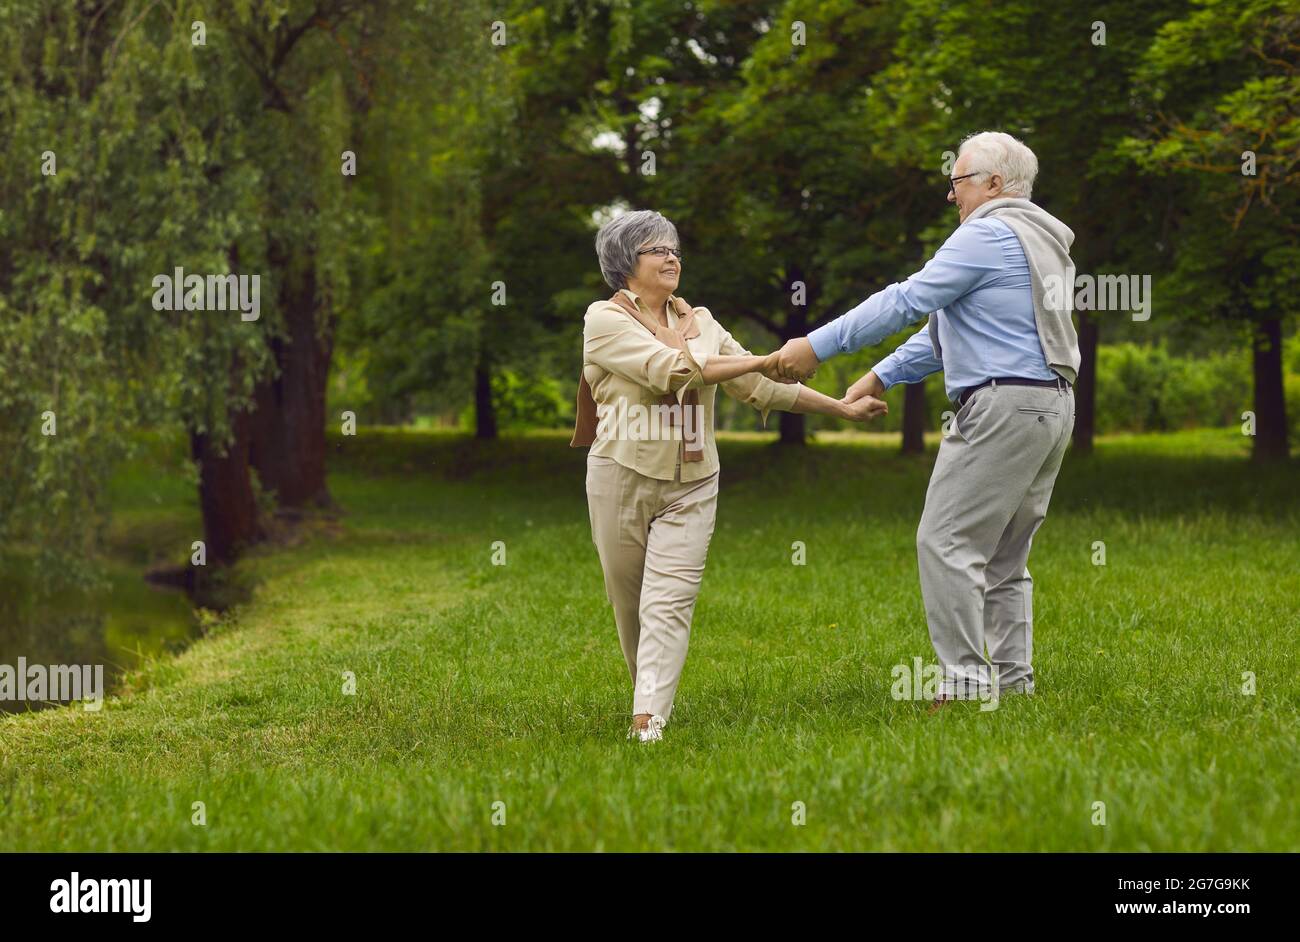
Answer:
(952, 181)
(661, 251)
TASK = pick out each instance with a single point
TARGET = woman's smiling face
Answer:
(658, 272)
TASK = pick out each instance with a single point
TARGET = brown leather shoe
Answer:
(938, 703)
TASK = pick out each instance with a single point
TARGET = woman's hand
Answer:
(864, 408)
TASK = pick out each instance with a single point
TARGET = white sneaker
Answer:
(653, 732)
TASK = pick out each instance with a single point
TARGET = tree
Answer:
(310, 66)
(63, 399)
(125, 198)
(1221, 89)
(505, 182)
(214, 150)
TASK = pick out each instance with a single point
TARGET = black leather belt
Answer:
(965, 394)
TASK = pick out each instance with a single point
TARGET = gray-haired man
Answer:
(998, 295)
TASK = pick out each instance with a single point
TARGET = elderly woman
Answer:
(651, 365)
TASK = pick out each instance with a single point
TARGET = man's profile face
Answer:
(973, 192)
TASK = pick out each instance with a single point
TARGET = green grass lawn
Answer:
(478, 684)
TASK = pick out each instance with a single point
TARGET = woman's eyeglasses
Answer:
(661, 251)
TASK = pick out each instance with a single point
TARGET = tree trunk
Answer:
(914, 418)
(630, 154)
(1270, 401)
(1085, 387)
(793, 427)
(485, 415)
(288, 428)
(226, 497)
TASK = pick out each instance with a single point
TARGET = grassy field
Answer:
(478, 684)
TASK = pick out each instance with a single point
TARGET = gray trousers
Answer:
(988, 495)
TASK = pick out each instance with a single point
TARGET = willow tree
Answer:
(62, 407)
(421, 334)
(108, 189)
(210, 141)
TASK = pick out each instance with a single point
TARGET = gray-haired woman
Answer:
(651, 365)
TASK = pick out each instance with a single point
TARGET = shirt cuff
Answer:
(784, 396)
(823, 342)
(782, 399)
(886, 372)
(696, 378)
(701, 359)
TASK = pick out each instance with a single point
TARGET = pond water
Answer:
(119, 624)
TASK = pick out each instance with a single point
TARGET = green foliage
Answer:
(487, 186)
(771, 175)
(1145, 389)
(74, 357)
(216, 158)
(437, 103)
(526, 401)
(1222, 88)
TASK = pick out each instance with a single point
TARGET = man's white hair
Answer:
(995, 152)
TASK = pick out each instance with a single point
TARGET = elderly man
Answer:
(1009, 354)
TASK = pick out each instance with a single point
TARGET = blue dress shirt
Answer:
(978, 283)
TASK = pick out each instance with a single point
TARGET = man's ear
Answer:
(995, 181)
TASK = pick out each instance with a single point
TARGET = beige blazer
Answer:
(629, 371)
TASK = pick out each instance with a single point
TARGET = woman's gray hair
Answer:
(996, 152)
(618, 240)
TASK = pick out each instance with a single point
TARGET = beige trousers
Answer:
(652, 537)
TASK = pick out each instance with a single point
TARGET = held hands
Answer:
(860, 404)
(869, 385)
(796, 360)
(864, 409)
(772, 370)
(862, 400)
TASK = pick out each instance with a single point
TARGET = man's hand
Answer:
(869, 385)
(864, 408)
(796, 359)
(772, 370)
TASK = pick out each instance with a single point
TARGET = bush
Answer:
(1139, 389)
(1145, 389)
(524, 402)
(1291, 390)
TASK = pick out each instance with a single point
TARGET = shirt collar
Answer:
(672, 308)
